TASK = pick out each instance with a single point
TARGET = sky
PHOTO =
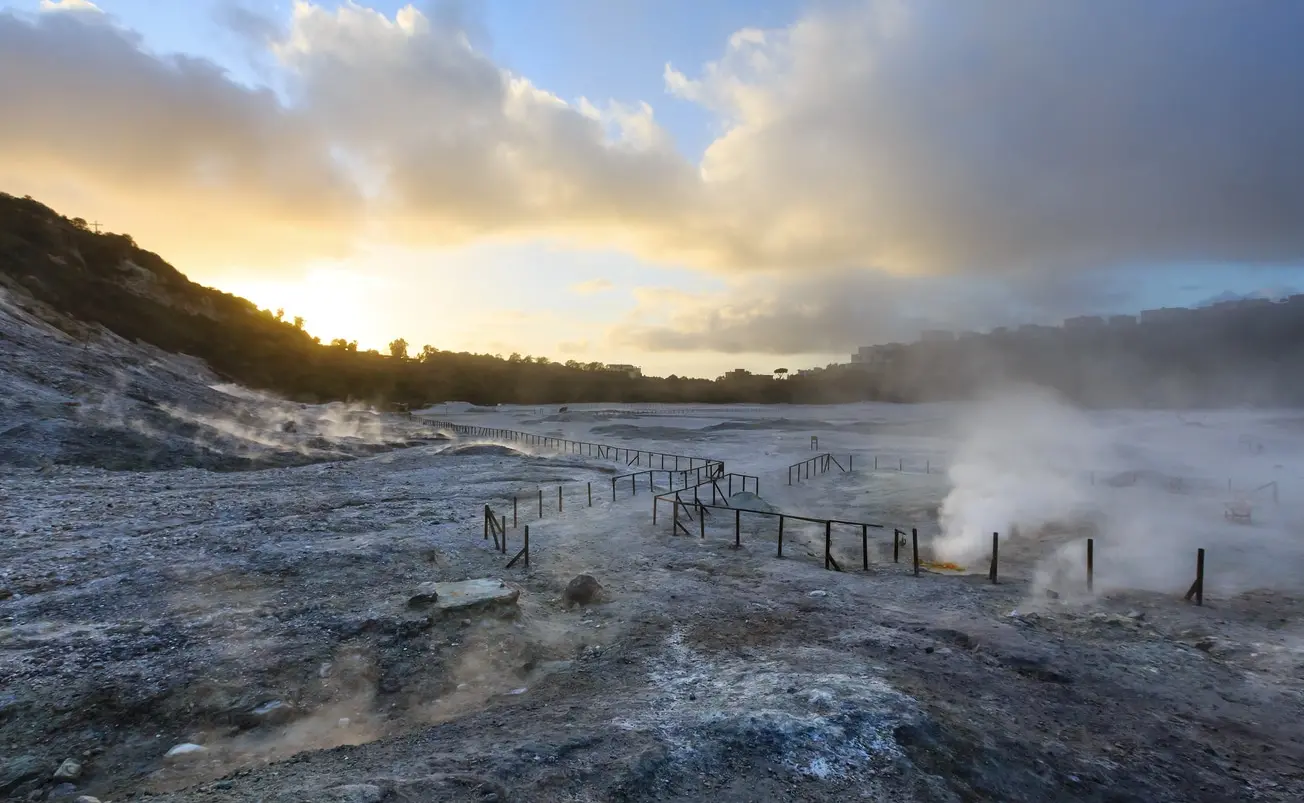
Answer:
(690, 187)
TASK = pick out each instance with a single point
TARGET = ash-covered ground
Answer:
(82, 396)
(273, 621)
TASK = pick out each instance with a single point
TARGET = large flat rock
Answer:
(474, 593)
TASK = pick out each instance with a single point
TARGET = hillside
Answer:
(94, 335)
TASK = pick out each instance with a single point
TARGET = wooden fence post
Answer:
(996, 550)
(1197, 588)
(914, 544)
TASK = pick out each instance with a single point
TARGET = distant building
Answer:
(1037, 330)
(936, 336)
(632, 371)
(877, 356)
(1165, 315)
(1084, 322)
(1122, 321)
(737, 373)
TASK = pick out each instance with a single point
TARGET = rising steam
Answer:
(1151, 488)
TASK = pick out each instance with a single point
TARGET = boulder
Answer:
(470, 594)
(69, 770)
(582, 590)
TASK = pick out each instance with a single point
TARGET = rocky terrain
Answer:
(77, 394)
(268, 628)
(211, 594)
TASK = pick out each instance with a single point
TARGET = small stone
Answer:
(426, 594)
(324, 671)
(5, 593)
(86, 799)
(186, 749)
(69, 770)
(1137, 615)
(582, 590)
(1052, 594)
(344, 722)
(819, 593)
(928, 650)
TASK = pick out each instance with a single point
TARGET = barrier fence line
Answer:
(496, 527)
(819, 464)
(678, 505)
(717, 492)
(631, 457)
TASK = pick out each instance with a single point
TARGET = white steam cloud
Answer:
(1150, 487)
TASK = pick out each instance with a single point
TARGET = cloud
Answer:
(573, 348)
(68, 5)
(189, 162)
(834, 312)
(469, 150)
(934, 136)
(993, 139)
(592, 287)
(251, 26)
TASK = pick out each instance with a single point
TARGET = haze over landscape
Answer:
(690, 189)
(569, 401)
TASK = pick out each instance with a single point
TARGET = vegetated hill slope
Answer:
(105, 279)
(77, 388)
(81, 395)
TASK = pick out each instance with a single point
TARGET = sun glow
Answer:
(333, 303)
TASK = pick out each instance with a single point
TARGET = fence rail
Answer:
(679, 506)
(717, 492)
(819, 464)
(630, 457)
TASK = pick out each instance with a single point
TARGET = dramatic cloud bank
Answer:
(986, 138)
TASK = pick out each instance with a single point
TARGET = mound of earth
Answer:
(473, 449)
(746, 500)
